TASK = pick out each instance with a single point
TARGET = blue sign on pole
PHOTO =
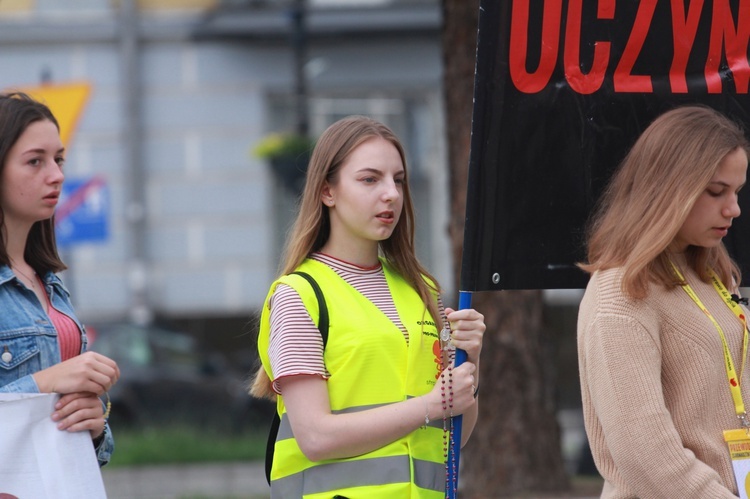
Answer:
(83, 211)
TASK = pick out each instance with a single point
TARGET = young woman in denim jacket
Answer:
(42, 342)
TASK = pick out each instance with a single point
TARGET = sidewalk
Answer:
(206, 481)
(244, 480)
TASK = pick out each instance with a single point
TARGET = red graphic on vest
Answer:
(732, 382)
(3, 495)
(438, 352)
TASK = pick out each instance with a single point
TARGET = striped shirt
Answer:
(296, 346)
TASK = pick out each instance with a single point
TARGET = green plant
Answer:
(158, 445)
(283, 145)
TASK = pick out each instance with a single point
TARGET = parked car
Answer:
(166, 379)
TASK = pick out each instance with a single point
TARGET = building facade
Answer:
(182, 90)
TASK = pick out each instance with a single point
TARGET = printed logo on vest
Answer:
(438, 352)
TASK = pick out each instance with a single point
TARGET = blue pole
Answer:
(454, 452)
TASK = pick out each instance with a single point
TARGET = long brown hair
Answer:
(312, 227)
(651, 195)
(17, 112)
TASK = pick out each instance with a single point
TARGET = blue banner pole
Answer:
(454, 451)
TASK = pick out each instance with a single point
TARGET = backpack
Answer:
(323, 328)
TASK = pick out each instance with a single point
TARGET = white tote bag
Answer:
(38, 461)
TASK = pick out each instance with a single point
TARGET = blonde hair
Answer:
(651, 195)
(312, 227)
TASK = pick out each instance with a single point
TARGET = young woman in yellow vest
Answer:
(363, 416)
(661, 340)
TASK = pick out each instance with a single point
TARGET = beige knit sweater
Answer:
(655, 392)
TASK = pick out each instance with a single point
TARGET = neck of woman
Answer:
(358, 255)
(15, 238)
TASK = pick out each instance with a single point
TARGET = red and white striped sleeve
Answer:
(296, 346)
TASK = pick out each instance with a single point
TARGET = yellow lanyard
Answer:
(733, 377)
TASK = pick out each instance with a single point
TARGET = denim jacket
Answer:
(28, 340)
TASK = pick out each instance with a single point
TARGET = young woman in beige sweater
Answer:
(656, 390)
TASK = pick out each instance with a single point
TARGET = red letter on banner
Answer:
(735, 42)
(582, 83)
(524, 81)
(684, 29)
(624, 81)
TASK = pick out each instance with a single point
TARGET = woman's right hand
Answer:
(89, 372)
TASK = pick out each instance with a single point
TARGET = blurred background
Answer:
(177, 202)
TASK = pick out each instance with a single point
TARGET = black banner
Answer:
(562, 90)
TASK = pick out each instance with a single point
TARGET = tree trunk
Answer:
(515, 448)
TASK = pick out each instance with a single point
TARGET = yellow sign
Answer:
(65, 100)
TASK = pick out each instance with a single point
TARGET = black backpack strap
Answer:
(272, 433)
(323, 328)
(322, 307)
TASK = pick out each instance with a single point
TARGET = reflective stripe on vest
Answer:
(371, 365)
(361, 473)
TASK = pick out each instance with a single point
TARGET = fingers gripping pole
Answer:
(454, 452)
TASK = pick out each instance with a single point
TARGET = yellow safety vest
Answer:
(370, 365)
